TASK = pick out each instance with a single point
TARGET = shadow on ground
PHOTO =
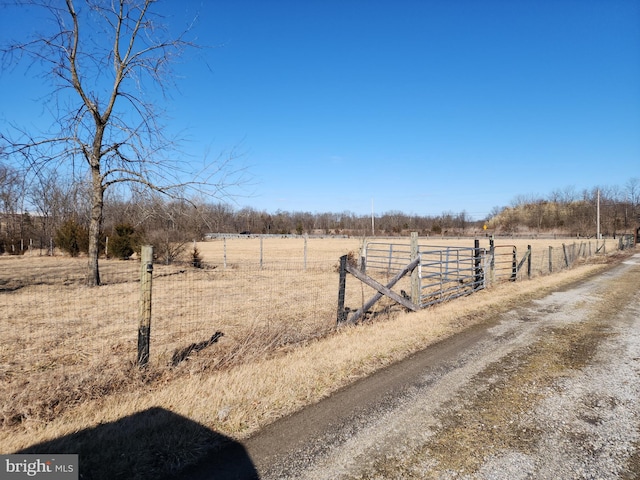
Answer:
(152, 444)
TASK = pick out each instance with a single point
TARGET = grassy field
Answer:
(244, 251)
(67, 352)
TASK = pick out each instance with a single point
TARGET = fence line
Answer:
(57, 331)
(448, 272)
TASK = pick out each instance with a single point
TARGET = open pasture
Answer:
(63, 344)
(249, 251)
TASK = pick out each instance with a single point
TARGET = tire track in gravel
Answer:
(547, 390)
(505, 429)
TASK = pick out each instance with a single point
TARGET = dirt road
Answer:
(548, 390)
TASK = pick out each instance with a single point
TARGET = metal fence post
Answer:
(144, 328)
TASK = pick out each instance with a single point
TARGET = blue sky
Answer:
(418, 106)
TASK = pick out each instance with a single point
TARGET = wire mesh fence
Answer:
(46, 295)
(256, 309)
(62, 342)
(554, 258)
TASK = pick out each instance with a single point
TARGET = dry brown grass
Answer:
(66, 358)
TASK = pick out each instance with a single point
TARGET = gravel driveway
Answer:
(549, 390)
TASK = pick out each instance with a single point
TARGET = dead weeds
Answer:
(100, 380)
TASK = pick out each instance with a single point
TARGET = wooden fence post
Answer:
(492, 260)
(362, 254)
(514, 265)
(415, 274)
(566, 257)
(342, 287)
(529, 262)
(550, 259)
(144, 328)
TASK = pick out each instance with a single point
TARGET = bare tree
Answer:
(53, 201)
(633, 197)
(10, 187)
(462, 221)
(104, 59)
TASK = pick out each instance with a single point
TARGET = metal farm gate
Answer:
(443, 272)
(427, 274)
(446, 273)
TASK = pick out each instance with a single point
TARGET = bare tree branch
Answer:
(100, 107)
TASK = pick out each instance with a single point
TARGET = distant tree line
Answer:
(51, 211)
(573, 213)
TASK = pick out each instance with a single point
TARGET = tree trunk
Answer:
(93, 272)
